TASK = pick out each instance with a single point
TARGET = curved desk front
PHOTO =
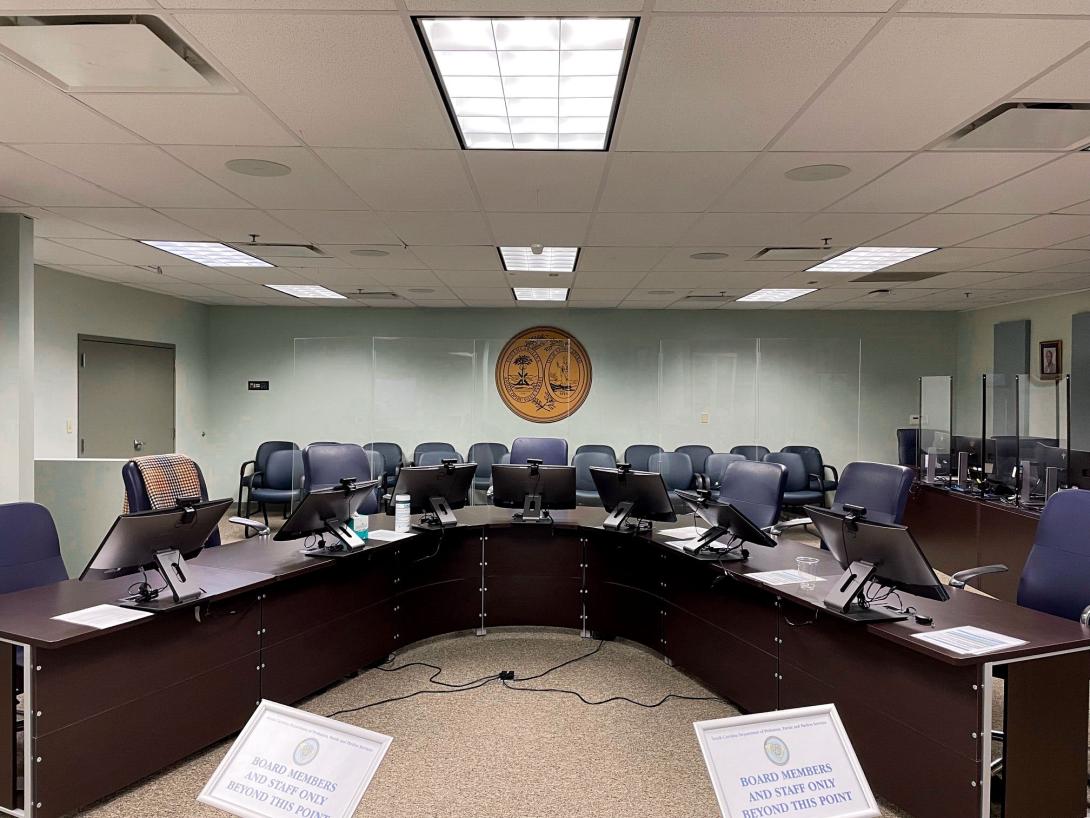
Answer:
(106, 708)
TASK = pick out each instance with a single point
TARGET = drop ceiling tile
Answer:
(1038, 281)
(142, 173)
(235, 225)
(609, 279)
(638, 229)
(710, 280)
(529, 7)
(396, 258)
(764, 188)
(485, 294)
(472, 278)
(127, 251)
(669, 182)
(51, 252)
(65, 5)
(356, 80)
(1041, 231)
(54, 116)
(346, 280)
(595, 259)
(945, 229)
(29, 180)
(424, 294)
(745, 229)
(774, 5)
(600, 296)
(947, 259)
(550, 229)
(738, 258)
(48, 225)
(1051, 187)
(441, 305)
(894, 78)
(276, 275)
(774, 64)
(438, 228)
(122, 273)
(537, 180)
(995, 6)
(1067, 81)
(931, 181)
(960, 280)
(454, 257)
(309, 185)
(406, 278)
(276, 5)
(1032, 261)
(133, 223)
(338, 226)
(849, 229)
(192, 119)
(404, 180)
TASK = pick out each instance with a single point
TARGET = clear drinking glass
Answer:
(806, 565)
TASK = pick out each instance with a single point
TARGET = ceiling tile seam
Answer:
(33, 158)
(52, 209)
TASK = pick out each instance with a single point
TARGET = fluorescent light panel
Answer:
(304, 290)
(869, 259)
(530, 83)
(550, 260)
(209, 253)
(540, 293)
(774, 294)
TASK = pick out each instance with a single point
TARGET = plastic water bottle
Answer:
(360, 523)
(401, 513)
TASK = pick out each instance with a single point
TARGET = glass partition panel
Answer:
(936, 402)
(808, 394)
(1042, 438)
(1001, 428)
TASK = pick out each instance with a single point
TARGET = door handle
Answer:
(138, 444)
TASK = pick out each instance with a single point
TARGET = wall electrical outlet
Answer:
(68, 426)
(913, 419)
(704, 417)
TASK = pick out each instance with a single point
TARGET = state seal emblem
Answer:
(543, 374)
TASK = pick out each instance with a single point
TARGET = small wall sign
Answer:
(257, 386)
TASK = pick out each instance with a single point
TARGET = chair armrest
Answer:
(959, 579)
(1084, 619)
(701, 481)
(778, 528)
(836, 474)
(242, 468)
(246, 523)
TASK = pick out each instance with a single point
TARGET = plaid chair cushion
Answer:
(167, 477)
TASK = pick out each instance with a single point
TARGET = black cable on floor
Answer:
(410, 696)
(432, 679)
(585, 700)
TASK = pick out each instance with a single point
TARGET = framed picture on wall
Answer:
(1051, 362)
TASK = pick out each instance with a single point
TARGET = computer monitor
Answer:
(723, 519)
(1078, 469)
(328, 511)
(534, 488)
(972, 445)
(886, 554)
(625, 493)
(435, 491)
(161, 540)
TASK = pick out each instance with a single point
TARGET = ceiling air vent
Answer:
(795, 254)
(279, 251)
(893, 275)
(107, 53)
(367, 295)
(1017, 126)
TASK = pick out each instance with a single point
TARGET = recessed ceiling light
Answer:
(817, 173)
(548, 259)
(304, 290)
(209, 253)
(530, 83)
(774, 294)
(257, 167)
(868, 259)
(369, 253)
(540, 293)
(708, 256)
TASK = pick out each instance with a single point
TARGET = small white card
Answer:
(969, 641)
(790, 762)
(687, 533)
(388, 535)
(102, 616)
(786, 577)
(287, 762)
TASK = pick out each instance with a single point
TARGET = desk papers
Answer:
(786, 577)
(102, 616)
(968, 641)
(687, 533)
(386, 535)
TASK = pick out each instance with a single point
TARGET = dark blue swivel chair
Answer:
(908, 442)
(485, 455)
(798, 491)
(253, 480)
(436, 458)
(638, 455)
(823, 477)
(137, 492)
(325, 464)
(551, 451)
(282, 483)
(677, 473)
(392, 458)
(600, 448)
(751, 452)
(755, 489)
(432, 446)
(881, 488)
(586, 494)
(714, 466)
(698, 454)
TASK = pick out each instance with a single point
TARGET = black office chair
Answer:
(253, 480)
(881, 488)
(756, 489)
(638, 455)
(824, 477)
(551, 451)
(392, 458)
(798, 491)
(436, 458)
(908, 442)
(751, 452)
(281, 484)
(485, 455)
(600, 448)
(586, 493)
(714, 466)
(698, 454)
(431, 446)
(326, 464)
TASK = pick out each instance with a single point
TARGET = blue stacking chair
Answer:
(698, 455)
(756, 489)
(751, 452)
(881, 488)
(551, 451)
(799, 491)
(436, 458)
(677, 473)
(432, 446)
(600, 448)
(714, 466)
(256, 478)
(392, 461)
(485, 455)
(816, 467)
(586, 493)
(282, 482)
(325, 464)
(638, 455)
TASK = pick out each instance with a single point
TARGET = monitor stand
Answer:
(725, 553)
(440, 517)
(176, 574)
(532, 512)
(617, 519)
(346, 541)
(846, 598)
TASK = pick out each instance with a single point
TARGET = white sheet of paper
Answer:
(687, 533)
(969, 641)
(787, 577)
(386, 535)
(102, 616)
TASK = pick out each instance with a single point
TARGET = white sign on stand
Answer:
(790, 762)
(286, 762)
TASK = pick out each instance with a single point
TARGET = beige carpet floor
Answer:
(496, 753)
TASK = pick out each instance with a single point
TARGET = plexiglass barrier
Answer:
(1042, 437)
(935, 423)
